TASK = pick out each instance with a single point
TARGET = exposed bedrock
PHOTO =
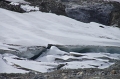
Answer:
(50, 6)
(107, 13)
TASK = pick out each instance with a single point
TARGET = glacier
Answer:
(22, 30)
(41, 29)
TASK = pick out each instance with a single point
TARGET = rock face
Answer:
(107, 13)
(49, 6)
(95, 13)
(115, 15)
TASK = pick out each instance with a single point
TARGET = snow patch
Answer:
(41, 29)
(29, 8)
(18, 1)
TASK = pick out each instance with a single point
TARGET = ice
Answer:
(41, 29)
(54, 50)
(47, 61)
(88, 60)
(5, 68)
(29, 64)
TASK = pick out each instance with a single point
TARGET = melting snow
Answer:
(48, 61)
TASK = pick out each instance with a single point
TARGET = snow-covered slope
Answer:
(41, 29)
(37, 28)
(6, 68)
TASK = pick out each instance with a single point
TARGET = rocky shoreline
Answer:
(66, 74)
(113, 72)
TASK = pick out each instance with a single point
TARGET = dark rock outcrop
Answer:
(8, 6)
(115, 15)
(50, 6)
(97, 13)
(107, 13)
(53, 7)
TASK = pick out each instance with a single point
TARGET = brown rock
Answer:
(113, 72)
